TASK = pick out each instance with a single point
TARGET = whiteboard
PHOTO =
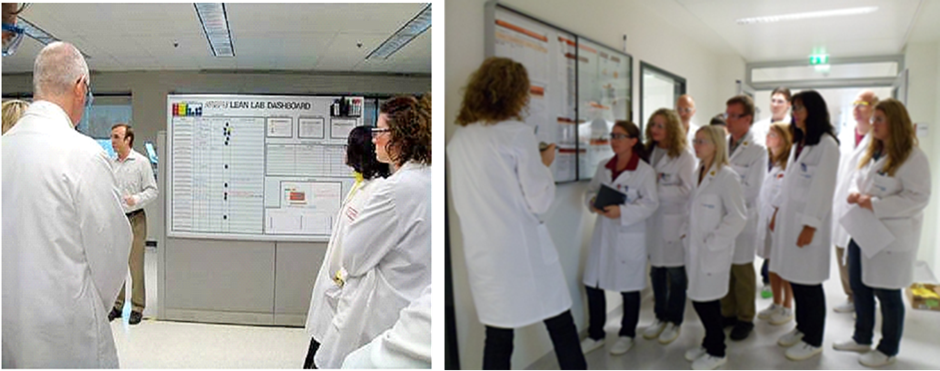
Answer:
(252, 167)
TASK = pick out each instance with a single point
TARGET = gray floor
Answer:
(164, 344)
(920, 345)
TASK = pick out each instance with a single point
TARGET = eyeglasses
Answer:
(619, 136)
(89, 98)
(860, 103)
(701, 142)
(732, 116)
(797, 108)
(9, 46)
(379, 131)
(684, 110)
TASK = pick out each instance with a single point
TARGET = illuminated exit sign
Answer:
(819, 59)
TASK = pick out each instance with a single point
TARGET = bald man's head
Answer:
(863, 108)
(685, 106)
(58, 68)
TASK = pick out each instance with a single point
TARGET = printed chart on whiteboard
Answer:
(258, 167)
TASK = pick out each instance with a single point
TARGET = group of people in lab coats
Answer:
(698, 221)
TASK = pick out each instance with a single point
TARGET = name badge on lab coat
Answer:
(667, 179)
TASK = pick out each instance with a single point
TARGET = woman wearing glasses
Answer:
(674, 165)
(892, 181)
(617, 257)
(717, 216)
(802, 224)
(386, 258)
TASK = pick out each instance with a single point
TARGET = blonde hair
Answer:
(12, 111)
(716, 135)
(901, 139)
(675, 134)
(783, 130)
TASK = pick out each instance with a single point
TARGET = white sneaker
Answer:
(847, 307)
(708, 362)
(875, 358)
(766, 313)
(652, 331)
(692, 354)
(670, 333)
(588, 344)
(782, 316)
(790, 339)
(851, 346)
(802, 351)
(622, 345)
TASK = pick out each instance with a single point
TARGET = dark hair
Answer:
(409, 123)
(781, 90)
(746, 102)
(634, 132)
(719, 119)
(128, 131)
(817, 118)
(360, 154)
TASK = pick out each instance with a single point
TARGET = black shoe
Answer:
(728, 321)
(114, 314)
(135, 318)
(741, 330)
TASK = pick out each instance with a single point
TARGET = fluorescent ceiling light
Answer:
(808, 15)
(215, 24)
(38, 34)
(408, 32)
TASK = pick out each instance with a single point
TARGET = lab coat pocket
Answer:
(884, 185)
(342, 308)
(715, 258)
(741, 170)
(710, 212)
(632, 248)
(332, 297)
(672, 228)
(547, 247)
(903, 231)
(804, 179)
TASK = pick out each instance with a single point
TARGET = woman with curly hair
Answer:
(386, 258)
(500, 183)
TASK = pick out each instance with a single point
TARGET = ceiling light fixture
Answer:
(215, 24)
(38, 34)
(408, 32)
(808, 15)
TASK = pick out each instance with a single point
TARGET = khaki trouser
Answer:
(742, 292)
(844, 272)
(136, 264)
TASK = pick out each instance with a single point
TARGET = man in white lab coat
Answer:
(685, 106)
(853, 141)
(65, 238)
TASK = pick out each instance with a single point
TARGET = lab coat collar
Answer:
(746, 141)
(411, 165)
(51, 112)
(712, 172)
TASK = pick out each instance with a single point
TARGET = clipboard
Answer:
(608, 196)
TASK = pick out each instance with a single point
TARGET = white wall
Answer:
(923, 62)
(710, 79)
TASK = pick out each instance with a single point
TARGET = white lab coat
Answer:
(690, 135)
(499, 184)
(849, 156)
(406, 345)
(772, 186)
(717, 217)
(899, 203)
(325, 293)
(617, 257)
(387, 255)
(65, 245)
(674, 182)
(806, 199)
(749, 161)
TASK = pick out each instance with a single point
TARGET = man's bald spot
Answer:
(867, 95)
(685, 98)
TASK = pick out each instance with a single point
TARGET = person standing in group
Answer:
(386, 252)
(747, 158)
(779, 141)
(892, 181)
(719, 120)
(500, 184)
(674, 165)
(12, 111)
(617, 258)
(717, 217)
(65, 237)
(685, 107)
(139, 187)
(802, 222)
(360, 156)
(853, 141)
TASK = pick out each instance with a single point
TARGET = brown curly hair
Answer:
(675, 134)
(409, 123)
(497, 91)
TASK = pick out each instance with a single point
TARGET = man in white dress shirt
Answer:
(138, 188)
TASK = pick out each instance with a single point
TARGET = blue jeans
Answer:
(892, 308)
(669, 285)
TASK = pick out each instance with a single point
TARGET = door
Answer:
(899, 87)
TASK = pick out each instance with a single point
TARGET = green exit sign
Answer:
(819, 59)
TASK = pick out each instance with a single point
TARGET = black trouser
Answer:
(669, 286)
(597, 313)
(497, 349)
(765, 271)
(311, 351)
(892, 308)
(710, 314)
(810, 312)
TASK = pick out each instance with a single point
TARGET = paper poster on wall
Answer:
(255, 167)
(603, 98)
